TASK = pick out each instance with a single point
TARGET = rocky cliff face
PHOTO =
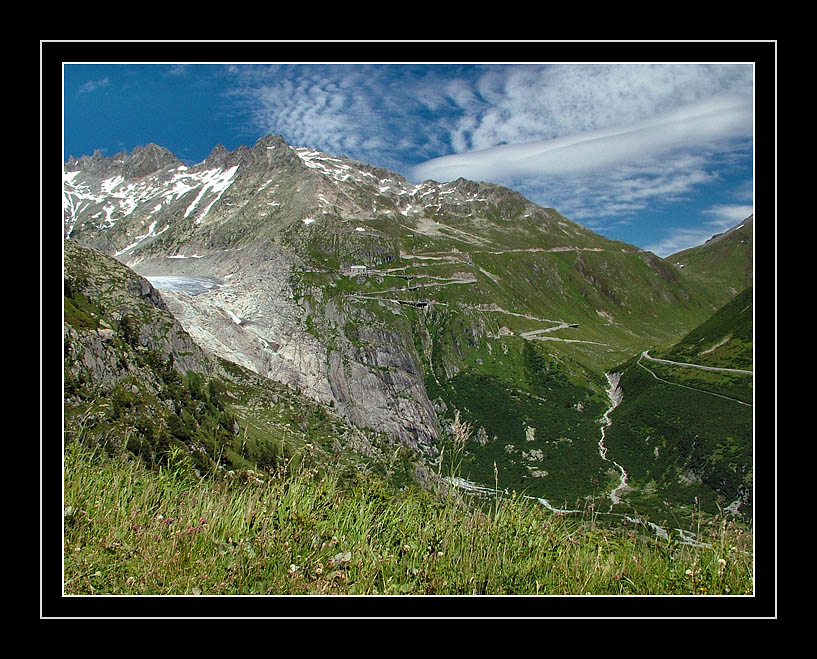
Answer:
(111, 315)
(136, 382)
(259, 319)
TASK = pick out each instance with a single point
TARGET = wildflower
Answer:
(293, 568)
(688, 572)
(203, 520)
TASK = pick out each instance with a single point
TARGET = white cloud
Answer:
(93, 85)
(728, 215)
(521, 103)
(694, 125)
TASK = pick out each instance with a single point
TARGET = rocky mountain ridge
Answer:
(257, 192)
(726, 257)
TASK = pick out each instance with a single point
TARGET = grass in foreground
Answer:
(129, 530)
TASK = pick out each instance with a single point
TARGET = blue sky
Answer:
(657, 155)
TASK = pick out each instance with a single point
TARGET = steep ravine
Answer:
(615, 395)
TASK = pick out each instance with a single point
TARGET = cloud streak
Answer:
(699, 124)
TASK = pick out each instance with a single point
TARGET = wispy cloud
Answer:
(392, 116)
(178, 69)
(626, 187)
(93, 85)
(527, 103)
(500, 120)
(600, 142)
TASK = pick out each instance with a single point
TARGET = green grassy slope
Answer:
(725, 259)
(684, 448)
(515, 332)
(130, 530)
(725, 340)
(685, 435)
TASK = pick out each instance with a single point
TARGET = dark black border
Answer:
(761, 606)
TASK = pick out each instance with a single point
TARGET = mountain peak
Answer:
(146, 160)
(217, 155)
(142, 161)
(271, 141)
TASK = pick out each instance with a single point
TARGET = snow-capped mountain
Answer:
(150, 202)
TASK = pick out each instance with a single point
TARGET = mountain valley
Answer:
(277, 301)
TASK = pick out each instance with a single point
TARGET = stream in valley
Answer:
(615, 395)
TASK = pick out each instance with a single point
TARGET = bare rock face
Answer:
(256, 318)
(112, 313)
(380, 385)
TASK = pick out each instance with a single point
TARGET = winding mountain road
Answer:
(703, 368)
(683, 386)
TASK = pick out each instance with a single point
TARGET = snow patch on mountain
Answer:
(216, 181)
